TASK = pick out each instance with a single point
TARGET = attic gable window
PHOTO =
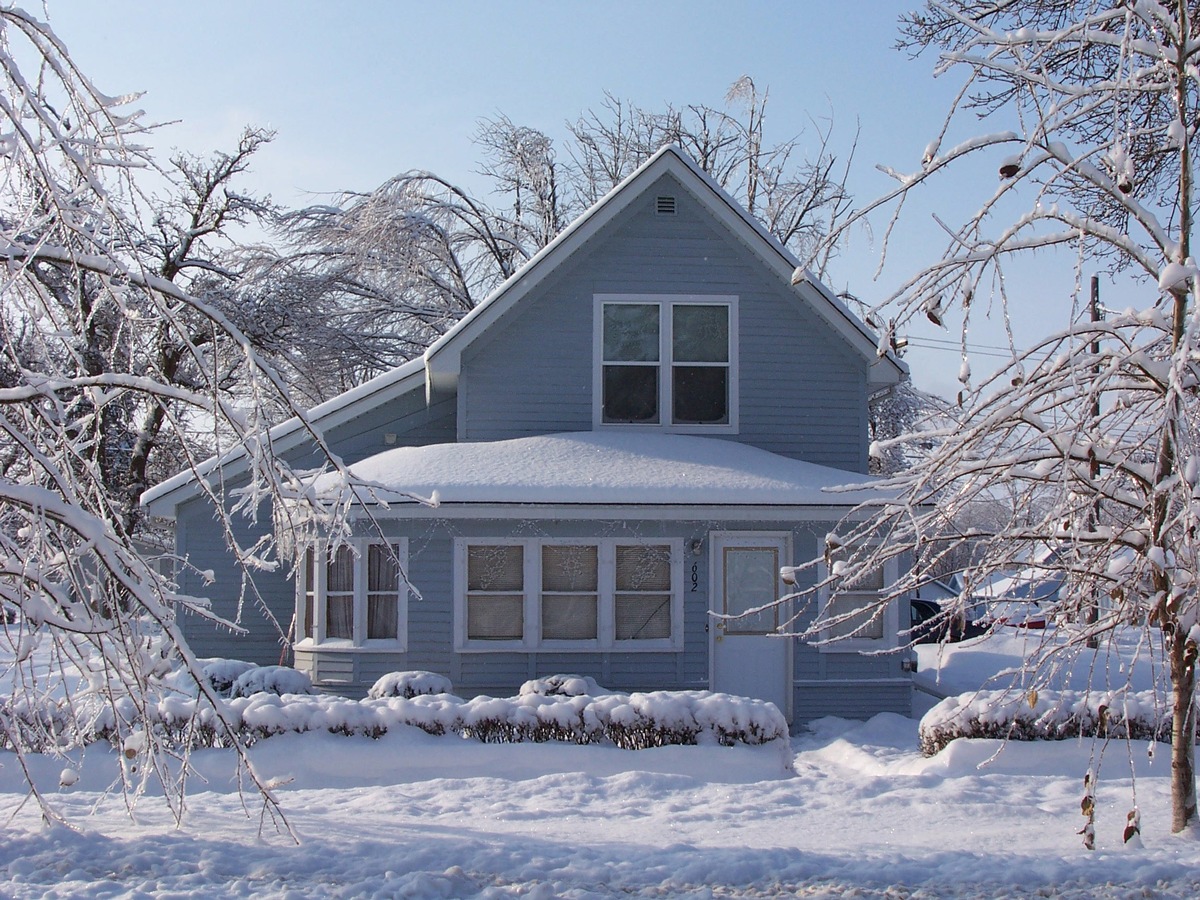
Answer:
(666, 361)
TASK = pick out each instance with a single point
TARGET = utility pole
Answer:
(1092, 613)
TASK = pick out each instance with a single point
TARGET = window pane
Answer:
(701, 394)
(643, 616)
(699, 333)
(569, 617)
(569, 568)
(631, 332)
(339, 576)
(496, 567)
(495, 618)
(644, 568)
(382, 610)
(631, 394)
(309, 598)
(383, 591)
(751, 581)
(339, 616)
(865, 617)
(383, 572)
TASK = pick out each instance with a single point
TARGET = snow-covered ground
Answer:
(862, 814)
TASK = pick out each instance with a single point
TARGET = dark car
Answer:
(931, 625)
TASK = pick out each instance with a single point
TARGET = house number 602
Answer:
(695, 577)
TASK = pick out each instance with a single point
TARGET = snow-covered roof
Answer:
(443, 358)
(603, 468)
(162, 499)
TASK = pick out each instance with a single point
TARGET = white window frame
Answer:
(891, 616)
(532, 640)
(359, 641)
(665, 363)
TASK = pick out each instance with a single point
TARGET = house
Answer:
(630, 435)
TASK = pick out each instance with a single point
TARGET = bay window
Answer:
(352, 595)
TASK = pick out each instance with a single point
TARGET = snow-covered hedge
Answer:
(563, 686)
(629, 721)
(409, 684)
(1046, 716)
(271, 680)
(222, 673)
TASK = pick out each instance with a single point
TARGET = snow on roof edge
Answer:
(321, 415)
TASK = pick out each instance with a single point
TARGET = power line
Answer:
(952, 347)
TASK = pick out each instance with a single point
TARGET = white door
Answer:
(747, 655)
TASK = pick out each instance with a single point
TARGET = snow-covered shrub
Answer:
(271, 680)
(410, 684)
(222, 673)
(1046, 716)
(564, 686)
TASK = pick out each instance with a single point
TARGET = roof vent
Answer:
(665, 206)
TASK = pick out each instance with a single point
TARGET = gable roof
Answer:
(443, 359)
(439, 368)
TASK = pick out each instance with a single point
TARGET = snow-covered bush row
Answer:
(1046, 716)
(409, 684)
(629, 721)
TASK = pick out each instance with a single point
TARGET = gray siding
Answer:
(266, 608)
(804, 397)
(199, 538)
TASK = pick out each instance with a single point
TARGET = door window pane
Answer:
(751, 578)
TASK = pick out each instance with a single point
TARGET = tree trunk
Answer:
(1183, 731)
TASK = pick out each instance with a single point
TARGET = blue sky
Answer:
(361, 91)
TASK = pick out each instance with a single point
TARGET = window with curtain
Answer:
(356, 597)
(569, 594)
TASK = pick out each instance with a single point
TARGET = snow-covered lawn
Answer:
(863, 814)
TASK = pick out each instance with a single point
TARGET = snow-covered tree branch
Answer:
(1090, 434)
(121, 357)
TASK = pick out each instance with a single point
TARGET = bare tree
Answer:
(798, 195)
(1092, 432)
